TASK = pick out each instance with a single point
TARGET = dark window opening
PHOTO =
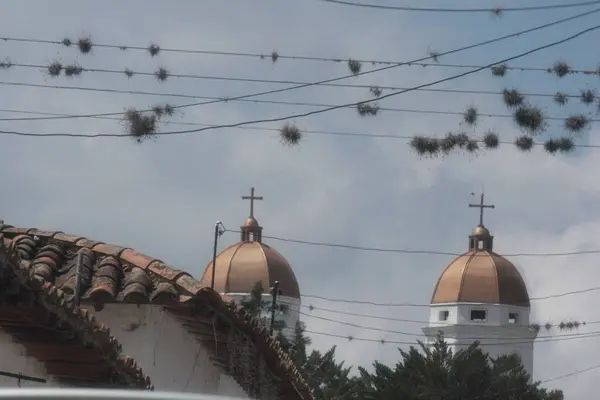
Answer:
(478, 315)
(513, 318)
(443, 315)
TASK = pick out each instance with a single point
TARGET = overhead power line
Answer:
(352, 338)
(505, 340)
(458, 50)
(272, 55)
(60, 116)
(498, 10)
(411, 251)
(132, 73)
(259, 101)
(380, 304)
(261, 129)
(415, 321)
(314, 112)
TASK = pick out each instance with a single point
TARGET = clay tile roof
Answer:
(117, 274)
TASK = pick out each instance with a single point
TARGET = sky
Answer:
(163, 197)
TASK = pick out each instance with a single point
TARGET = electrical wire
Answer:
(261, 129)
(409, 251)
(401, 342)
(379, 304)
(287, 81)
(461, 49)
(258, 101)
(498, 10)
(413, 321)
(275, 55)
(302, 104)
(397, 332)
(315, 112)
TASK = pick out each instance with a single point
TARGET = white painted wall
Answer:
(290, 318)
(13, 360)
(496, 335)
(165, 350)
(167, 353)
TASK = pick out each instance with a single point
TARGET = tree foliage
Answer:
(437, 373)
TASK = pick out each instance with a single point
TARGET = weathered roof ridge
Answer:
(79, 320)
(277, 359)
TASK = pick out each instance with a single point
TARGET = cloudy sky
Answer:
(163, 197)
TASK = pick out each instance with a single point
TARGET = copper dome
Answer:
(481, 276)
(240, 266)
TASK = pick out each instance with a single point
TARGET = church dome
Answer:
(481, 276)
(240, 266)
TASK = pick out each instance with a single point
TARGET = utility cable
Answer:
(479, 44)
(381, 304)
(271, 55)
(498, 10)
(261, 129)
(315, 112)
(259, 101)
(401, 342)
(403, 333)
(410, 251)
(480, 114)
(425, 322)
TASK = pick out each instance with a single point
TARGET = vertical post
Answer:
(274, 292)
(214, 260)
(78, 267)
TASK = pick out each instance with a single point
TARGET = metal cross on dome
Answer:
(481, 206)
(252, 198)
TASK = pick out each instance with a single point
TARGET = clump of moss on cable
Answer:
(561, 98)
(143, 125)
(561, 69)
(499, 70)
(470, 116)
(512, 98)
(85, 45)
(524, 143)
(354, 66)
(530, 119)
(367, 109)
(290, 134)
(577, 123)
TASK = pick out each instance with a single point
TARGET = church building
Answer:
(242, 265)
(76, 312)
(481, 296)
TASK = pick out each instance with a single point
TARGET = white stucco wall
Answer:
(165, 350)
(158, 342)
(13, 360)
(496, 335)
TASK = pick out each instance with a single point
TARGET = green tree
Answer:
(329, 379)
(437, 373)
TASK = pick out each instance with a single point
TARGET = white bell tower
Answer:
(482, 297)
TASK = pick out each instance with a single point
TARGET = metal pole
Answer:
(78, 279)
(274, 292)
(214, 261)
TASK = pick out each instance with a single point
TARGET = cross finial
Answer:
(481, 206)
(252, 198)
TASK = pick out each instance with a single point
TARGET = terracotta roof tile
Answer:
(54, 314)
(112, 273)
